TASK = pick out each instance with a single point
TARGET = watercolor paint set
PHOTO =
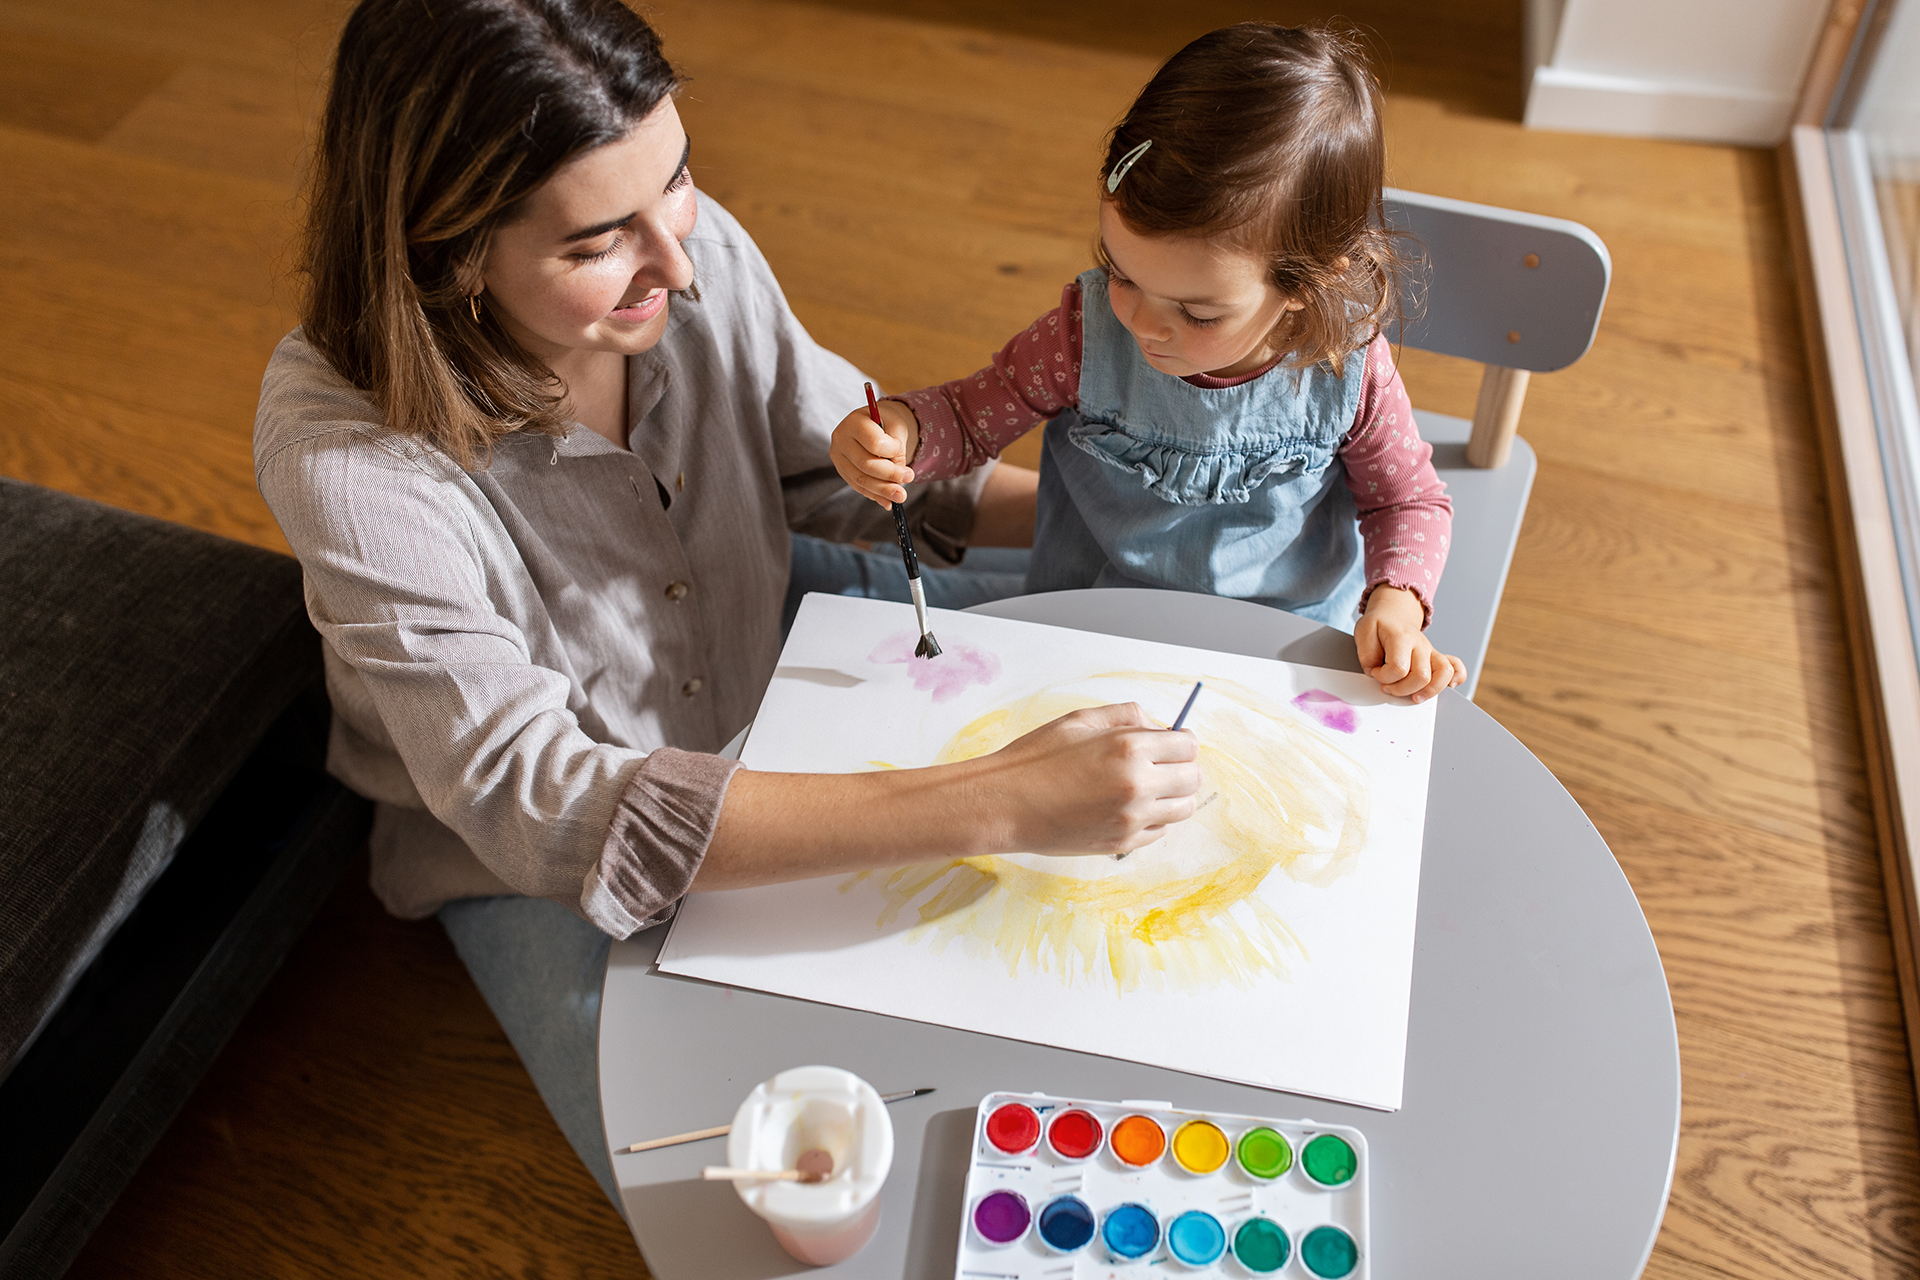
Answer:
(1072, 1189)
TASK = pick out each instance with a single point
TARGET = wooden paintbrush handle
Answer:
(677, 1139)
(718, 1173)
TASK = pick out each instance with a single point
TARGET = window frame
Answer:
(1869, 418)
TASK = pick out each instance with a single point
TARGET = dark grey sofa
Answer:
(166, 831)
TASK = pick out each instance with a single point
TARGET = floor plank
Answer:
(920, 172)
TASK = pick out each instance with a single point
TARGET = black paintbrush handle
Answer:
(906, 541)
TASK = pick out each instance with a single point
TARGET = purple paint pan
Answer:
(1002, 1217)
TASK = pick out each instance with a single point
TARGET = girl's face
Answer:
(590, 261)
(1194, 305)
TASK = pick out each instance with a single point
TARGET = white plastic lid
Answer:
(800, 1109)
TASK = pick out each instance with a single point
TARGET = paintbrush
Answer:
(814, 1165)
(1182, 717)
(928, 646)
(718, 1173)
(722, 1130)
(1177, 722)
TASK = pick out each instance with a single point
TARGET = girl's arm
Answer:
(950, 429)
(1406, 524)
(1406, 517)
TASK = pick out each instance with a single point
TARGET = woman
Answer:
(539, 444)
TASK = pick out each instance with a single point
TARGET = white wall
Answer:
(1714, 70)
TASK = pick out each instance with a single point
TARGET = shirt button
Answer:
(691, 687)
(677, 590)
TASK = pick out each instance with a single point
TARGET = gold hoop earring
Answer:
(473, 305)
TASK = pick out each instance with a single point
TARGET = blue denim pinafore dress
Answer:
(1154, 482)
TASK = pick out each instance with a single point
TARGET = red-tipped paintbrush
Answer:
(928, 646)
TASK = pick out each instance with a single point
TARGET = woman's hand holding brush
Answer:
(1103, 780)
(873, 457)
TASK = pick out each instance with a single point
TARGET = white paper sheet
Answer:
(1267, 940)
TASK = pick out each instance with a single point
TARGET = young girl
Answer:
(1223, 412)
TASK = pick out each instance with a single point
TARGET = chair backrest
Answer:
(1510, 289)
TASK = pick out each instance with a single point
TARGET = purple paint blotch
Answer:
(1328, 709)
(959, 667)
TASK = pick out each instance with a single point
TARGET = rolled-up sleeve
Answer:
(397, 584)
(662, 825)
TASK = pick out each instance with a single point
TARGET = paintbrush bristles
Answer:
(928, 646)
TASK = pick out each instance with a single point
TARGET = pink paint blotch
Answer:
(1334, 712)
(959, 667)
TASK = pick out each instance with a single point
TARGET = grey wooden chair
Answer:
(1521, 294)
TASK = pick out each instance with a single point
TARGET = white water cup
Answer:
(798, 1110)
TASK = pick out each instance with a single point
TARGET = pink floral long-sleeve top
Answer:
(1406, 518)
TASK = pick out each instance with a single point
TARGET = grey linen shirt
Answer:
(531, 663)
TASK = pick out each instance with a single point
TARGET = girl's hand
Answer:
(1104, 780)
(873, 458)
(1395, 651)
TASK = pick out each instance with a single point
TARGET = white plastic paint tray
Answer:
(1312, 1217)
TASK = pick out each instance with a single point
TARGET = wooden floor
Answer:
(920, 175)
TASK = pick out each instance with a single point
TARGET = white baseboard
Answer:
(1582, 102)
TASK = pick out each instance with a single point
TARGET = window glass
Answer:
(1888, 119)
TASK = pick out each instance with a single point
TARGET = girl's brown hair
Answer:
(442, 116)
(1272, 136)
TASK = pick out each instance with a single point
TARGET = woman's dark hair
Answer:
(441, 117)
(1271, 135)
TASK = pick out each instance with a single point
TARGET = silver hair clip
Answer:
(1125, 163)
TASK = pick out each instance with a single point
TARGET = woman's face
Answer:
(590, 261)
(1193, 305)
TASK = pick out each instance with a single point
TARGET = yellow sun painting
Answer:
(1179, 914)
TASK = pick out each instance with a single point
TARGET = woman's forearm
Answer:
(776, 827)
(1102, 780)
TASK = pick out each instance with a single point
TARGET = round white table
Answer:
(1542, 1102)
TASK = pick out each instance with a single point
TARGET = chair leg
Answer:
(1497, 416)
